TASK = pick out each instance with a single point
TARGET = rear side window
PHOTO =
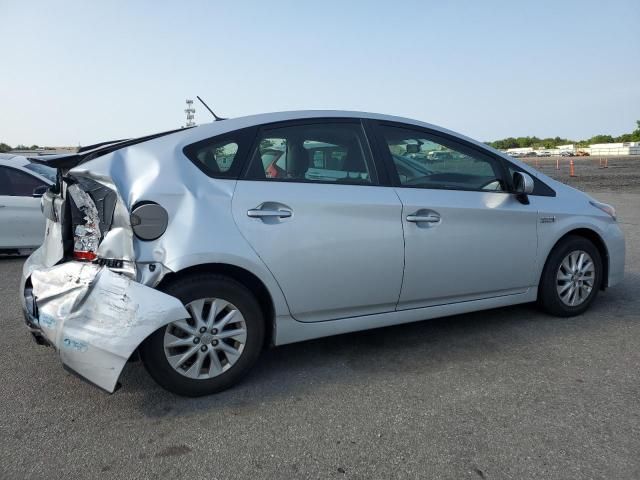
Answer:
(16, 183)
(318, 152)
(223, 156)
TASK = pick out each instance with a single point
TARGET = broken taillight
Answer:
(84, 256)
(86, 239)
(85, 225)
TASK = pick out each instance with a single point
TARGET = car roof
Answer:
(207, 130)
(231, 124)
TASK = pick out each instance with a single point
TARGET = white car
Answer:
(22, 183)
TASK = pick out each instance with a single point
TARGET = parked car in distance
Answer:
(22, 183)
(530, 154)
(582, 153)
(184, 248)
(566, 154)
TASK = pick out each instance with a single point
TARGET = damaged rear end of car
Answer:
(80, 290)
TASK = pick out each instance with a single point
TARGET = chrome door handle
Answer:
(259, 213)
(423, 218)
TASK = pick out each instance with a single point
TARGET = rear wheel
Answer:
(213, 348)
(571, 278)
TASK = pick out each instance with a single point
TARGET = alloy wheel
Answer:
(207, 343)
(575, 278)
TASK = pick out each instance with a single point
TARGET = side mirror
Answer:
(40, 191)
(523, 186)
(523, 183)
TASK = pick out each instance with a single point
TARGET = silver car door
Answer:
(331, 237)
(466, 237)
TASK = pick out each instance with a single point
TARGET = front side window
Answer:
(327, 152)
(431, 162)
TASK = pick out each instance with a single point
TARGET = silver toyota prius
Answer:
(195, 249)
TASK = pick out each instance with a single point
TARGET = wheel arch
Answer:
(597, 241)
(239, 274)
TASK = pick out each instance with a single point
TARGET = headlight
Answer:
(606, 208)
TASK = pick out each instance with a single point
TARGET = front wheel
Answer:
(212, 349)
(571, 278)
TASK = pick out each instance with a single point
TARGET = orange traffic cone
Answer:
(572, 171)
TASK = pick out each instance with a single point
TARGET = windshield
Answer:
(42, 170)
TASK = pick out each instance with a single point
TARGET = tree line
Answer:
(4, 148)
(535, 142)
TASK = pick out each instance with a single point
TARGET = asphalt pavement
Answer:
(505, 393)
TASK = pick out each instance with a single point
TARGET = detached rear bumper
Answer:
(93, 317)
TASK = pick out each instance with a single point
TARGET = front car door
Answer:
(20, 216)
(466, 236)
(331, 236)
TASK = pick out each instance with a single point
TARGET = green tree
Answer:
(601, 139)
(4, 148)
(551, 142)
(631, 137)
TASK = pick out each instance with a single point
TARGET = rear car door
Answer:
(328, 231)
(466, 236)
(20, 216)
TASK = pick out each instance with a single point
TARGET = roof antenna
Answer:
(207, 107)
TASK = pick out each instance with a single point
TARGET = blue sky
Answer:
(81, 72)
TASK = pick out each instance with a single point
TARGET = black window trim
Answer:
(386, 158)
(24, 172)
(381, 178)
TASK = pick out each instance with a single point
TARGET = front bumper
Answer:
(93, 317)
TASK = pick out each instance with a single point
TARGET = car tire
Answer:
(192, 290)
(554, 280)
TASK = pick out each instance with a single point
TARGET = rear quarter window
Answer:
(223, 156)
